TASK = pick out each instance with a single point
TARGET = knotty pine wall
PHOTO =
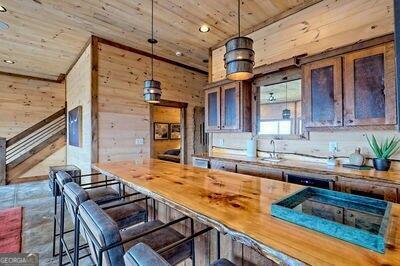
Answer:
(162, 114)
(78, 92)
(24, 102)
(123, 115)
(326, 25)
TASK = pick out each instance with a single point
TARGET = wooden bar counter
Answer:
(239, 205)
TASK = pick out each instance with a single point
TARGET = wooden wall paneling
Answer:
(79, 93)
(308, 32)
(2, 161)
(25, 101)
(95, 99)
(123, 115)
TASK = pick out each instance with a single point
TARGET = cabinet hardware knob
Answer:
(350, 121)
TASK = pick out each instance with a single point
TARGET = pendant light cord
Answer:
(239, 17)
(152, 38)
(286, 95)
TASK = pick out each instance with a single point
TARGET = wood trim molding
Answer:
(30, 77)
(95, 98)
(397, 56)
(89, 42)
(27, 179)
(270, 21)
(156, 57)
(347, 49)
(2, 161)
(168, 103)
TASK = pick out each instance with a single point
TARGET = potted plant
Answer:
(383, 151)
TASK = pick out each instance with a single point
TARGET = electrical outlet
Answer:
(139, 141)
(221, 142)
(333, 147)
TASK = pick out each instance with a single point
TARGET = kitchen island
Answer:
(239, 205)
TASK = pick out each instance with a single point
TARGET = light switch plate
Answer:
(139, 141)
(333, 147)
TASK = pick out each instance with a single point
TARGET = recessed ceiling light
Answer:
(3, 9)
(204, 28)
(178, 53)
(8, 61)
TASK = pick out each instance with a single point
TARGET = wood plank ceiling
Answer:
(45, 36)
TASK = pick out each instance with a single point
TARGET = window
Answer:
(277, 127)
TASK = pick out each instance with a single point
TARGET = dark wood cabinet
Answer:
(369, 82)
(355, 89)
(322, 92)
(369, 189)
(260, 171)
(228, 107)
(213, 109)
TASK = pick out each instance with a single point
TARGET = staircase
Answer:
(33, 145)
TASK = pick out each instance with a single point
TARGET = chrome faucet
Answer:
(273, 154)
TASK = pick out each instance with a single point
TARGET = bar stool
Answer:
(99, 191)
(143, 255)
(124, 212)
(108, 244)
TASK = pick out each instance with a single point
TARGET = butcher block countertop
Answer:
(239, 205)
(392, 177)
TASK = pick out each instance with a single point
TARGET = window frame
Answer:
(272, 79)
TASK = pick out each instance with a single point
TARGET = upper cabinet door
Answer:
(322, 90)
(213, 109)
(230, 106)
(369, 95)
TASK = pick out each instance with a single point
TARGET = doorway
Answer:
(168, 131)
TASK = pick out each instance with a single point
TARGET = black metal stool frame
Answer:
(57, 187)
(76, 230)
(99, 255)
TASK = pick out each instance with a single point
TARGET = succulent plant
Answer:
(385, 149)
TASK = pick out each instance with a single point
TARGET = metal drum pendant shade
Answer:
(152, 91)
(152, 88)
(239, 58)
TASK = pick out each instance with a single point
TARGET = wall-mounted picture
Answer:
(161, 131)
(75, 126)
(175, 131)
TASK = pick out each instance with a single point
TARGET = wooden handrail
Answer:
(35, 127)
(35, 149)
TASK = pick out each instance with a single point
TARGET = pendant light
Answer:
(239, 56)
(152, 88)
(286, 111)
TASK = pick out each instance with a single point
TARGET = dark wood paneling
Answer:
(212, 109)
(322, 93)
(369, 87)
(369, 97)
(230, 106)
(95, 99)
